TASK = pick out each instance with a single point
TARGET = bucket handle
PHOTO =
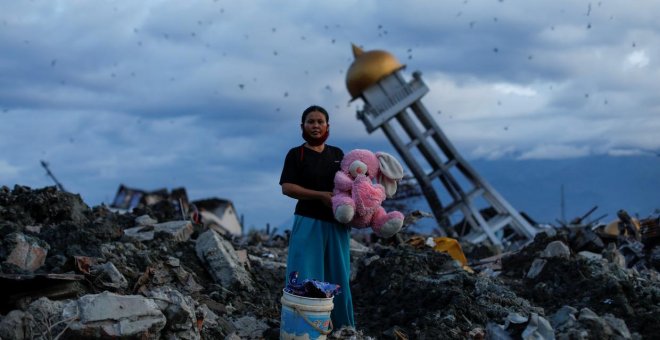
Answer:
(313, 325)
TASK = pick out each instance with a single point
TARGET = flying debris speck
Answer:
(274, 29)
(53, 62)
(241, 86)
(274, 52)
(496, 50)
(327, 87)
(589, 26)
(333, 41)
(286, 94)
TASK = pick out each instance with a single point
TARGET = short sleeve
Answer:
(291, 170)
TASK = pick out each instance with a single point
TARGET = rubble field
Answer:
(70, 271)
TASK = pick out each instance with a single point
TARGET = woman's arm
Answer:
(301, 193)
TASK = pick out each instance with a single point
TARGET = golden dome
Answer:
(368, 68)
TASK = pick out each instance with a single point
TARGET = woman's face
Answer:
(315, 124)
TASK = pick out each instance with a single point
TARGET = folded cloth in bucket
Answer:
(311, 288)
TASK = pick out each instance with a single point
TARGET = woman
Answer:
(319, 247)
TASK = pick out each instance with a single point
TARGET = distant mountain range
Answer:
(631, 183)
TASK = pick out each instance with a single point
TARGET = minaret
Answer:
(389, 100)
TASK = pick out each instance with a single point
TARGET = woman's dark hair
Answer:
(314, 108)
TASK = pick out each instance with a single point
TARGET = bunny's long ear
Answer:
(390, 172)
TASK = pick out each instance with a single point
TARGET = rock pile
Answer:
(69, 271)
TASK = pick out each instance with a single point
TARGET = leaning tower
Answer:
(394, 105)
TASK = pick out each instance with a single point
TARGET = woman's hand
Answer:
(326, 198)
(298, 192)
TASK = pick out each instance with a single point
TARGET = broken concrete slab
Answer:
(556, 249)
(590, 256)
(26, 252)
(249, 327)
(536, 268)
(145, 220)
(221, 260)
(179, 231)
(179, 311)
(538, 328)
(108, 276)
(266, 263)
(111, 315)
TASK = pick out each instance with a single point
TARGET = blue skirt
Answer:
(320, 250)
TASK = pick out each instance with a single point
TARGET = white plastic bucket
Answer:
(305, 318)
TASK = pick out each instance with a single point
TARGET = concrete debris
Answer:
(179, 311)
(108, 315)
(155, 272)
(25, 252)
(179, 231)
(556, 249)
(538, 328)
(108, 276)
(222, 261)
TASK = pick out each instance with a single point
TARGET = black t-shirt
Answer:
(315, 171)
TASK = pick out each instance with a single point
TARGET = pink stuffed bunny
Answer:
(357, 200)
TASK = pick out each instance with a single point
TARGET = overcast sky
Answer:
(207, 95)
